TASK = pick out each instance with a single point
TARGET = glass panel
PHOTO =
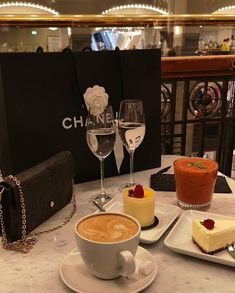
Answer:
(30, 39)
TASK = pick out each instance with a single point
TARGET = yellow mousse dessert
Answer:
(212, 236)
(139, 202)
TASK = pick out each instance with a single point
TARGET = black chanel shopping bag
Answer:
(42, 109)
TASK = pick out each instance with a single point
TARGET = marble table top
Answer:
(38, 271)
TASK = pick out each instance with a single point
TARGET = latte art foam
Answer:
(107, 228)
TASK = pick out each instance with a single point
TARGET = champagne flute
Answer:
(101, 136)
(131, 127)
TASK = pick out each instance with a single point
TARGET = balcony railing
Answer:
(198, 112)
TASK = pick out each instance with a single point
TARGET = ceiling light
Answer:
(225, 8)
(31, 5)
(137, 6)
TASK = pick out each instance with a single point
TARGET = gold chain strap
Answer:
(25, 244)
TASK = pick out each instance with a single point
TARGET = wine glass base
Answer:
(102, 199)
(129, 184)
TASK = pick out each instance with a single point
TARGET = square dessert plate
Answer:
(165, 213)
(180, 238)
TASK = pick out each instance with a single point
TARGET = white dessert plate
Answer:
(180, 238)
(165, 213)
(77, 277)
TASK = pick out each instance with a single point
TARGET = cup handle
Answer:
(127, 263)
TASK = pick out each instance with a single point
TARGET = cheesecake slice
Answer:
(213, 238)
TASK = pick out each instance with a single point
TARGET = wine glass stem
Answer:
(102, 191)
(131, 167)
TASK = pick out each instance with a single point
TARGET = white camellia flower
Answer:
(96, 99)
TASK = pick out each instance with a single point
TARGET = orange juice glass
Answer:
(195, 181)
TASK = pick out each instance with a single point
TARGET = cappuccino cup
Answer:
(108, 243)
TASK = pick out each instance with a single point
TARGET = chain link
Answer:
(25, 244)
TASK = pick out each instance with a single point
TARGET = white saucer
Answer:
(165, 213)
(76, 276)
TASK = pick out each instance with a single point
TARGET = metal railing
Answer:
(198, 111)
